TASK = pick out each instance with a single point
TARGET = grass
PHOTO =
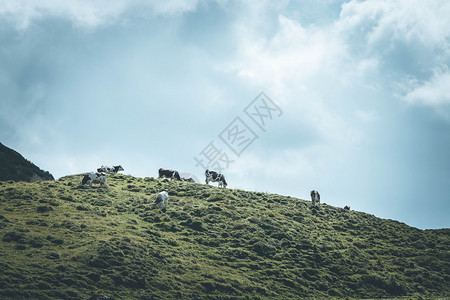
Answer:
(60, 240)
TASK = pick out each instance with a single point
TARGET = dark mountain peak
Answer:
(13, 166)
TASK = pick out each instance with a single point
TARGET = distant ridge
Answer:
(13, 166)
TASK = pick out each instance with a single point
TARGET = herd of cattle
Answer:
(100, 176)
(163, 197)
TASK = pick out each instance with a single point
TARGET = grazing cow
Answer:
(110, 169)
(92, 177)
(161, 200)
(347, 207)
(315, 197)
(188, 179)
(169, 174)
(215, 177)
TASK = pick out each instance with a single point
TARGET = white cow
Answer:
(315, 198)
(161, 200)
(92, 177)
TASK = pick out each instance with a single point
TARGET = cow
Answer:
(187, 179)
(169, 174)
(215, 177)
(161, 200)
(346, 207)
(90, 178)
(315, 198)
(110, 169)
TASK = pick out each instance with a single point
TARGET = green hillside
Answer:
(13, 166)
(63, 241)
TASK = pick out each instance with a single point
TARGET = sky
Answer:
(350, 98)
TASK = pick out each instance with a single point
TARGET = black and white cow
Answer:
(161, 200)
(110, 169)
(90, 178)
(315, 197)
(168, 174)
(215, 177)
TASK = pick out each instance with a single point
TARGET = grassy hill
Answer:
(60, 240)
(13, 166)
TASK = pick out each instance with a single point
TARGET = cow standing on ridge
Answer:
(92, 177)
(169, 174)
(215, 177)
(110, 169)
(315, 198)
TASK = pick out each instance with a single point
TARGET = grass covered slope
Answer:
(13, 166)
(60, 240)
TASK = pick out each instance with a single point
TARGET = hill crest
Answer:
(61, 240)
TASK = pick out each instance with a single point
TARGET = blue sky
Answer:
(363, 87)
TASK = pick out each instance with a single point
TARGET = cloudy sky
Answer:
(356, 94)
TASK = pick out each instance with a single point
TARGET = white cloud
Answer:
(289, 64)
(366, 116)
(292, 56)
(408, 20)
(372, 44)
(433, 92)
(87, 14)
(400, 39)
